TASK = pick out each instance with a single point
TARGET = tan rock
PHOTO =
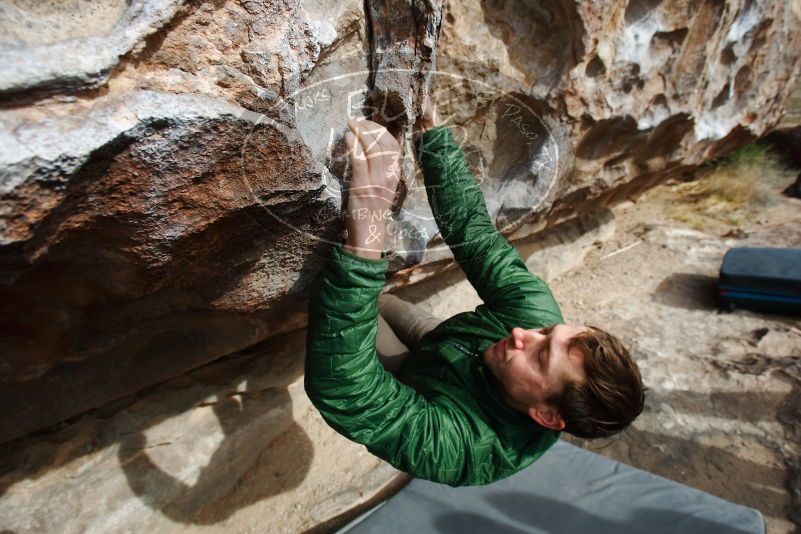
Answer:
(49, 47)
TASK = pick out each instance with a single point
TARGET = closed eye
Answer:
(541, 357)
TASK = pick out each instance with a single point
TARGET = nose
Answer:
(518, 337)
(525, 338)
(521, 338)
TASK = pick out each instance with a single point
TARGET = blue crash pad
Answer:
(568, 490)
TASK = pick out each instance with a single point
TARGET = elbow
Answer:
(312, 375)
(308, 385)
(317, 396)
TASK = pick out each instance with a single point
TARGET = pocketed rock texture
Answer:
(148, 256)
(645, 89)
(172, 172)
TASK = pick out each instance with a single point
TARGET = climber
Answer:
(482, 394)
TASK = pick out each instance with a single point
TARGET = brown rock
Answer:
(144, 256)
(171, 178)
(644, 90)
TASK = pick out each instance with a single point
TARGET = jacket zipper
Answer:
(464, 350)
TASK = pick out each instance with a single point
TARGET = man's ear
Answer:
(547, 417)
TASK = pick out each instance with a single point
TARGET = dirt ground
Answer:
(723, 410)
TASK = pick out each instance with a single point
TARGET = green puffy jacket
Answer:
(444, 420)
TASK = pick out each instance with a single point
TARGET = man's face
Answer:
(531, 365)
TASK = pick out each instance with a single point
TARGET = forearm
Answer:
(355, 396)
(458, 206)
(374, 155)
(340, 340)
(491, 264)
(455, 198)
(343, 377)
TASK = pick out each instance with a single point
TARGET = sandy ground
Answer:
(723, 411)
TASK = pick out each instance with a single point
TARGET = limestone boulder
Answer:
(643, 90)
(169, 203)
(139, 240)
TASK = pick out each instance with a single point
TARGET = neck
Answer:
(513, 404)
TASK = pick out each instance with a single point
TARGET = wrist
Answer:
(424, 126)
(366, 236)
(434, 126)
(368, 211)
(363, 251)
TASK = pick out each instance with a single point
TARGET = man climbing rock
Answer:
(482, 394)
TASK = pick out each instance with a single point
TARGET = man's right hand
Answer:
(429, 118)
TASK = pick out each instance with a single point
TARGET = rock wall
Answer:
(171, 172)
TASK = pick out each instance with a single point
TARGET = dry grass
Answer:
(735, 190)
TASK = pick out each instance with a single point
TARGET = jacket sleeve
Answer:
(493, 266)
(352, 391)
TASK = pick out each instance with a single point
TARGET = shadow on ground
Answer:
(263, 451)
(688, 291)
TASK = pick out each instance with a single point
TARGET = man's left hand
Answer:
(375, 163)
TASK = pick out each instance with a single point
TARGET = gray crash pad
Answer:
(568, 490)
